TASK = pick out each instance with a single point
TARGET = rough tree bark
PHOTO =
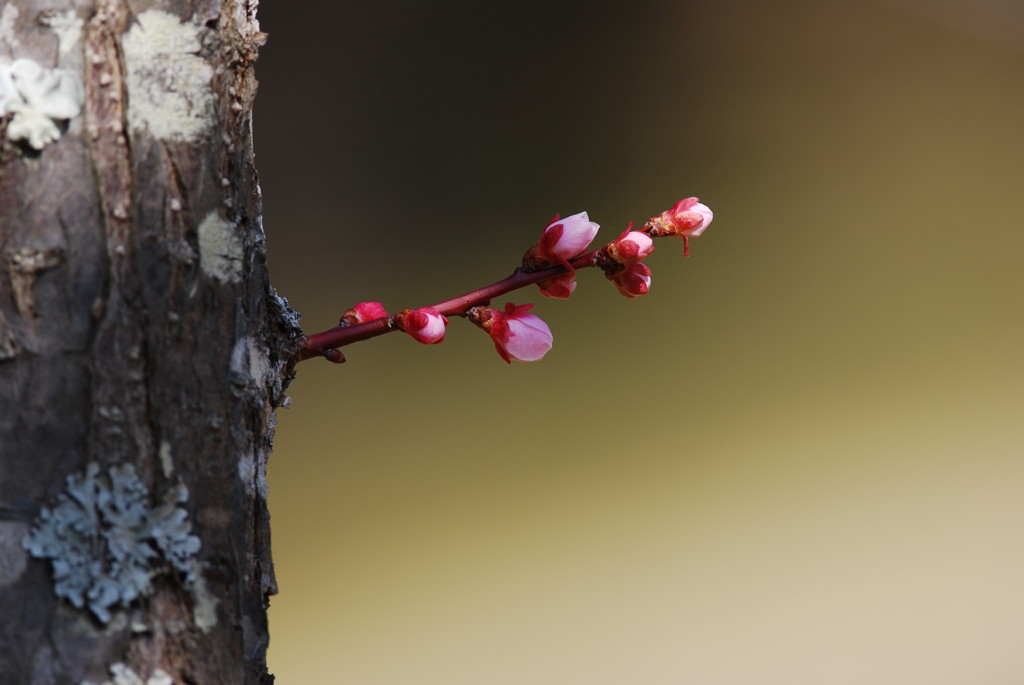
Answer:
(142, 349)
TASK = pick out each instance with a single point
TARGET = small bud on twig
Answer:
(631, 246)
(425, 324)
(363, 312)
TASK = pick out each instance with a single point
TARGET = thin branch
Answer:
(320, 344)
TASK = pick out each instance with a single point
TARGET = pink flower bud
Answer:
(632, 280)
(363, 312)
(562, 240)
(516, 334)
(560, 287)
(688, 218)
(425, 324)
(521, 336)
(631, 246)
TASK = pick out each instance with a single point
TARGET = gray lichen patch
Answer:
(105, 539)
(37, 98)
(169, 91)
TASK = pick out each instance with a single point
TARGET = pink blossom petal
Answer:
(561, 241)
(577, 233)
(529, 338)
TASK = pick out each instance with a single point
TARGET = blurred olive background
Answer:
(798, 460)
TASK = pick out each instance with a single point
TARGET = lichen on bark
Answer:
(105, 539)
(130, 373)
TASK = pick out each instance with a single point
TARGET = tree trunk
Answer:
(142, 349)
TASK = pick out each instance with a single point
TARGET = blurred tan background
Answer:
(798, 460)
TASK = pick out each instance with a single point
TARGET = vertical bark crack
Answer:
(105, 127)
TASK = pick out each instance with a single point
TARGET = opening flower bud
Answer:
(562, 240)
(516, 334)
(425, 324)
(631, 246)
(688, 218)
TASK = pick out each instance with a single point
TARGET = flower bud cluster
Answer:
(621, 259)
(517, 334)
(561, 241)
(621, 262)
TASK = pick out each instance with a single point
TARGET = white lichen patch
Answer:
(8, 17)
(250, 362)
(159, 677)
(68, 27)
(220, 249)
(247, 471)
(168, 82)
(38, 98)
(122, 674)
(105, 539)
(204, 608)
(166, 458)
(252, 470)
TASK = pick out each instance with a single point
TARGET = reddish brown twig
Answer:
(320, 344)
